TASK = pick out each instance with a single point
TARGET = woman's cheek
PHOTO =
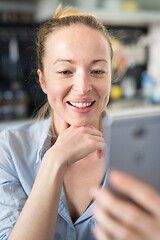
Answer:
(106, 95)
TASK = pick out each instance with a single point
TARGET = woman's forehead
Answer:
(75, 31)
(76, 38)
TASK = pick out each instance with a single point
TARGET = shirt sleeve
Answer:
(12, 195)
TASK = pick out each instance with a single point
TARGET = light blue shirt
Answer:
(21, 152)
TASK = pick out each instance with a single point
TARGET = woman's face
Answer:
(77, 74)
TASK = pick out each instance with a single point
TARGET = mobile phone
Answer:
(133, 146)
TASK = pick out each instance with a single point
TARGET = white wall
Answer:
(45, 9)
(17, 6)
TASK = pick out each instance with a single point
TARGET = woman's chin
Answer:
(80, 123)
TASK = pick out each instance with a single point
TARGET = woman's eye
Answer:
(97, 72)
(66, 72)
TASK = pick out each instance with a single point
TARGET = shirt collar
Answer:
(47, 139)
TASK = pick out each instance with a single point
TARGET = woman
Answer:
(48, 168)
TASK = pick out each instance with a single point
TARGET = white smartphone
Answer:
(133, 146)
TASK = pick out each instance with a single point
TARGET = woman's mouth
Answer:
(81, 105)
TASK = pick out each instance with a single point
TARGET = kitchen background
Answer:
(135, 29)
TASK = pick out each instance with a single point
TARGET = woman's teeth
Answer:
(80, 105)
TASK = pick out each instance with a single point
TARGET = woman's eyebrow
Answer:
(99, 60)
(59, 60)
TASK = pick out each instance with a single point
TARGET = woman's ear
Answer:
(42, 81)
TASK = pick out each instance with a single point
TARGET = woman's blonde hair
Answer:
(65, 18)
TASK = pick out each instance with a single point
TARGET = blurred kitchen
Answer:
(135, 29)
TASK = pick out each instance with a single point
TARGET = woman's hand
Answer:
(122, 220)
(75, 143)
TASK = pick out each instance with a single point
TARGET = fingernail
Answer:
(93, 191)
(115, 176)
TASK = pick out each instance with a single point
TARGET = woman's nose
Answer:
(82, 83)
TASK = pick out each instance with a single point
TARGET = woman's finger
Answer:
(79, 142)
(109, 224)
(126, 213)
(140, 192)
(99, 154)
(100, 234)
